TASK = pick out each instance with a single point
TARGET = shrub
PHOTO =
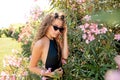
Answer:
(15, 66)
(92, 43)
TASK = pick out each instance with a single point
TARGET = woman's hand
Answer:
(65, 29)
(48, 73)
(59, 72)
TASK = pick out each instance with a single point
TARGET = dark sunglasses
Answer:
(57, 28)
(57, 16)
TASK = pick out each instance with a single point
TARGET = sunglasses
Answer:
(57, 28)
(59, 16)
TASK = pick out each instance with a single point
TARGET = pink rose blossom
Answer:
(14, 51)
(88, 32)
(12, 61)
(103, 30)
(84, 36)
(49, 70)
(86, 25)
(81, 1)
(82, 27)
(25, 73)
(91, 37)
(96, 31)
(112, 75)
(117, 60)
(87, 18)
(44, 78)
(3, 78)
(87, 41)
(117, 37)
(13, 77)
(3, 73)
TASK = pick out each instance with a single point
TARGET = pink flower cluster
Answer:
(81, 1)
(87, 18)
(15, 51)
(117, 37)
(25, 33)
(12, 61)
(14, 66)
(117, 60)
(90, 31)
(6, 76)
(112, 75)
(35, 13)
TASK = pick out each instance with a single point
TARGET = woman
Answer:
(50, 46)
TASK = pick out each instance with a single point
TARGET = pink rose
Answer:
(112, 75)
(117, 60)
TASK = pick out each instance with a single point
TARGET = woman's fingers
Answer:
(59, 71)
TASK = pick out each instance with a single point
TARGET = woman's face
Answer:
(56, 28)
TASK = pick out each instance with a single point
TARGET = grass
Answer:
(6, 46)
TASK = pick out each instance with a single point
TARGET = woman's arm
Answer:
(65, 51)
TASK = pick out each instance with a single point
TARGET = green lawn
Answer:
(6, 46)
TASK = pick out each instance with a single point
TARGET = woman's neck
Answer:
(49, 37)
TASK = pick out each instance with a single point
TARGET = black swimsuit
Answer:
(52, 60)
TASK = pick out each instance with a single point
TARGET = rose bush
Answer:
(92, 43)
(15, 66)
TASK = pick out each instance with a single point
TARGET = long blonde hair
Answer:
(47, 21)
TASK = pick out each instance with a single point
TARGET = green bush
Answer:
(1, 33)
(88, 61)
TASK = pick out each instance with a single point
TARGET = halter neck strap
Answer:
(48, 37)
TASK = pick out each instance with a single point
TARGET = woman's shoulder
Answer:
(41, 42)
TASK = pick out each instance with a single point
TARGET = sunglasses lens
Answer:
(61, 29)
(62, 17)
(55, 28)
(56, 15)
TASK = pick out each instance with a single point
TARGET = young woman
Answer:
(50, 46)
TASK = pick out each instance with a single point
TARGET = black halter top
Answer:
(53, 61)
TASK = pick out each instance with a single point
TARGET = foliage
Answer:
(7, 44)
(106, 5)
(91, 53)
(0, 33)
(26, 38)
(15, 66)
(27, 32)
(12, 31)
(7, 32)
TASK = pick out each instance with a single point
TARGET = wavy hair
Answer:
(46, 22)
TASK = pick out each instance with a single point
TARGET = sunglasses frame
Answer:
(57, 28)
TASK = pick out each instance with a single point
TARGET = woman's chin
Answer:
(55, 36)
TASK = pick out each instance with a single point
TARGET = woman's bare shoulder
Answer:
(41, 43)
